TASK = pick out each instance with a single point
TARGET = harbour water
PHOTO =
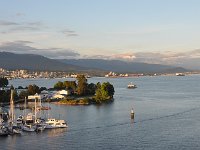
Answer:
(167, 116)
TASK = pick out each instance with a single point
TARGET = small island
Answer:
(82, 93)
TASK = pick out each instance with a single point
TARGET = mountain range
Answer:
(13, 61)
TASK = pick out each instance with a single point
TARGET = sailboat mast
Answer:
(25, 109)
(12, 106)
(35, 111)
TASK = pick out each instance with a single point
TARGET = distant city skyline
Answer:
(143, 30)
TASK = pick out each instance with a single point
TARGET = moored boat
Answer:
(54, 123)
(29, 128)
(131, 86)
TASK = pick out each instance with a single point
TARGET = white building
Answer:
(61, 94)
(64, 92)
(36, 96)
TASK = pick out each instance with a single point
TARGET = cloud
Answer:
(10, 26)
(25, 28)
(96, 57)
(127, 56)
(19, 14)
(165, 58)
(69, 33)
(22, 47)
(7, 23)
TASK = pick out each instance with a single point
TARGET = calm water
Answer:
(167, 117)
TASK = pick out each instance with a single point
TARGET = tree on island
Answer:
(104, 92)
(59, 85)
(82, 85)
(33, 89)
(91, 88)
(70, 85)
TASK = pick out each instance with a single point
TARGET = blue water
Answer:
(167, 116)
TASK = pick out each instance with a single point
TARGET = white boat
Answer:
(28, 128)
(30, 118)
(180, 74)
(20, 120)
(54, 123)
(131, 86)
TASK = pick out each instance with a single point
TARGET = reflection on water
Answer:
(56, 132)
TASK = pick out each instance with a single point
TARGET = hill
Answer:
(13, 61)
(123, 66)
(34, 62)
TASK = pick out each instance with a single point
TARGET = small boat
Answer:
(180, 74)
(12, 130)
(29, 118)
(131, 86)
(53, 123)
(20, 120)
(29, 128)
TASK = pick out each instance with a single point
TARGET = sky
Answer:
(147, 30)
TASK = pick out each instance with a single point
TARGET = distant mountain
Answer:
(13, 61)
(123, 66)
(34, 62)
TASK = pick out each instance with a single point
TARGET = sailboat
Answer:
(29, 125)
(12, 128)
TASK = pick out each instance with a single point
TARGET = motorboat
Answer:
(30, 118)
(54, 123)
(131, 86)
(40, 127)
(180, 74)
(29, 128)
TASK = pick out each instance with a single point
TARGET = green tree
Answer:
(59, 86)
(33, 89)
(23, 94)
(107, 90)
(3, 82)
(104, 92)
(82, 85)
(91, 88)
(43, 88)
(4, 96)
(98, 93)
(70, 85)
